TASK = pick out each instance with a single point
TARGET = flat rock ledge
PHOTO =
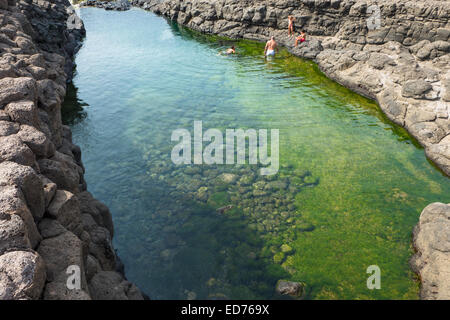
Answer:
(403, 63)
(49, 223)
(432, 259)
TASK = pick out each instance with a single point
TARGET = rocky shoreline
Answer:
(120, 5)
(51, 227)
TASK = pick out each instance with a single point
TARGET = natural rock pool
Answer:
(349, 191)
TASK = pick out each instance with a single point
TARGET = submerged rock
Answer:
(222, 210)
(289, 288)
(286, 248)
(228, 178)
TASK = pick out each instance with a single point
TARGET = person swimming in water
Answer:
(291, 20)
(301, 38)
(271, 47)
(231, 50)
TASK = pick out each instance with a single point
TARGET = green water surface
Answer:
(350, 188)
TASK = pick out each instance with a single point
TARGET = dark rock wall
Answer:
(49, 222)
(53, 29)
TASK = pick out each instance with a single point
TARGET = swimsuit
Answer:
(270, 53)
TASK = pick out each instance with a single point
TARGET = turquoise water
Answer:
(350, 188)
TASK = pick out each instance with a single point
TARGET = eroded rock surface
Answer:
(432, 260)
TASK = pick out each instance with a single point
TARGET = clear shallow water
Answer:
(350, 188)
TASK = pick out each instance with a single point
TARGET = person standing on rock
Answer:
(271, 47)
(291, 20)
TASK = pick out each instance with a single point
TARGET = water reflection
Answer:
(72, 111)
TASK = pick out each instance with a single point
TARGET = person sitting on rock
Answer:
(291, 20)
(301, 38)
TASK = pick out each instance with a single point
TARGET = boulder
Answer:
(380, 61)
(440, 154)
(50, 95)
(59, 253)
(23, 112)
(99, 211)
(8, 128)
(65, 208)
(22, 275)
(290, 288)
(13, 149)
(66, 176)
(391, 105)
(50, 228)
(12, 202)
(309, 49)
(88, 222)
(38, 73)
(92, 267)
(29, 182)
(228, 178)
(37, 141)
(59, 291)
(416, 89)
(427, 132)
(13, 89)
(431, 239)
(433, 50)
(13, 233)
(110, 285)
(101, 248)
(25, 44)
